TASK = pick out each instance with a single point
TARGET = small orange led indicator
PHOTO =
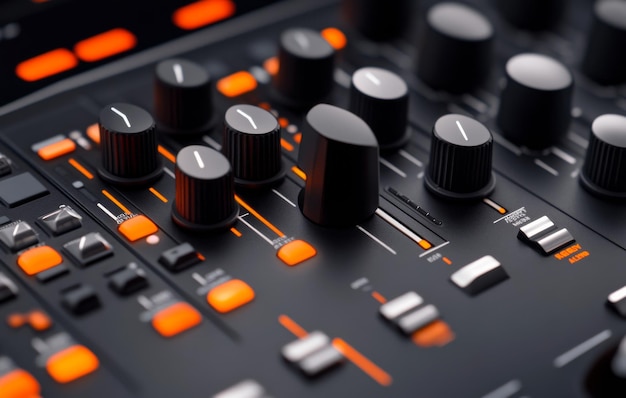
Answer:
(176, 319)
(105, 45)
(295, 252)
(236, 84)
(203, 13)
(335, 38)
(230, 295)
(57, 149)
(19, 383)
(47, 64)
(71, 363)
(297, 138)
(271, 65)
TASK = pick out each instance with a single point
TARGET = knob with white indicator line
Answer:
(205, 190)
(182, 96)
(252, 145)
(460, 159)
(129, 146)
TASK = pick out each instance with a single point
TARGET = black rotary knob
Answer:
(532, 14)
(378, 20)
(454, 50)
(205, 190)
(251, 143)
(129, 146)
(605, 58)
(182, 96)
(460, 159)
(305, 74)
(339, 154)
(536, 102)
(604, 170)
(381, 99)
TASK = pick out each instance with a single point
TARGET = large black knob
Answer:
(536, 102)
(532, 14)
(305, 74)
(454, 49)
(182, 97)
(460, 159)
(604, 170)
(205, 190)
(378, 20)
(129, 146)
(339, 154)
(251, 143)
(381, 99)
(605, 58)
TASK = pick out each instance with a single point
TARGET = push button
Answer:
(18, 236)
(175, 319)
(312, 354)
(179, 257)
(71, 363)
(137, 227)
(128, 280)
(18, 383)
(230, 295)
(61, 221)
(20, 189)
(89, 248)
(8, 289)
(56, 149)
(80, 299)
(38, 259)
(295, 252)
(479, 275)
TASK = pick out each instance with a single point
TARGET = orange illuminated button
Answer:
(105, 45)
(230, 295)
(175, 319)
(295, 252)
(271, 66)
(71, 363)
(137, 227)
(236, 84)
(57, 149)
(203, 13)
(335, 38)
(93, 132)
(47, 64)
(19, 383)
(437, 333)
(38, 259)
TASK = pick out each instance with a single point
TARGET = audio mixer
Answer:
(313, 198)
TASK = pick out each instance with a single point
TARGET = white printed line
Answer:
(375, 239)
(427, 252)
(558, 152)
(410, 158)
(144, 302)
(393, 168)
(280, 195)
(398, 225)
(248, 118)
(578, 140)
(458, 124)
(582, 348)
(169, 172)
(178, 73)
(106, 211)
(547, 168)
(505, 391)
(120, 114)
(198, 278)
(212, 142)
(507, 145)
(575, 173)
(475, 103)
(198, 159)
(265, 238)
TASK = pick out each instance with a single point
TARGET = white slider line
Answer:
(375, 239)
(392, 167)
(256, 231)
(178, 73)
(371, 77)
(410, 158)
(106, 211)
(280, 195)
(566, 157)
(505, 391)
(582, 348)
(248, 117)
(123, 116)
(578, 140)
(547, 168)
(427, 252)
(398, 225)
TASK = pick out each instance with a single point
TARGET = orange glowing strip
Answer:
(447, 260)
(105, 45)
(201, 257)
(286, 145)
(167, 154)
(424, 244)
(46, 64)
(80, 168)
(298, 172)
(502, 210)
(202, 13)
(93, 132)
(297, 138)
(292, 326)
(158, 195)
(379, 297)
(236, 84)
(115, 201)
(437, 333)
(335, 38)
(236, 232)
(258, 216)
(271, 65)
(370, 368)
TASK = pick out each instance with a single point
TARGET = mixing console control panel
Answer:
(325, 199)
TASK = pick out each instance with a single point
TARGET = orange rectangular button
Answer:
(71, 363)
(230, 295)
(202, 13)
(38, 259)
(137, 227)
(236, 84)
(57, 149)
(104, 45)
(19, 383)
(175, 319)
(335, 38)
(295, 252)
(93, 132)
(47, 64)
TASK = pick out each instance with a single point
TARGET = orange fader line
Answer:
(258, 216)
(298, 172)
(447, 260)
(115, 201)
(370, 368)
(236, 232)
(158, 195)
(202, 13)
(46, 64)
(379, 297)
(104, 45)
(286, 145)
(167, 154)
(292, 326)
(81, 169)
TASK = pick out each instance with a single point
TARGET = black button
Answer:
(18, 235)
(128, 280)
(80, 299)
(179, 257)
(20, 189)
(8, 289)
(5, 165)
(89, 248)
(61, 221)
(52, 273)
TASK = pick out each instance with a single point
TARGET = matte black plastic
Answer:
(532, 14)
(378, 20)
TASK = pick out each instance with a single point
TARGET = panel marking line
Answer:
(582, 348)
(283, 197)
(256, 231)
(392, 167)
(505, 391)
(259, 217)
(547, 168)
(375, 239)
